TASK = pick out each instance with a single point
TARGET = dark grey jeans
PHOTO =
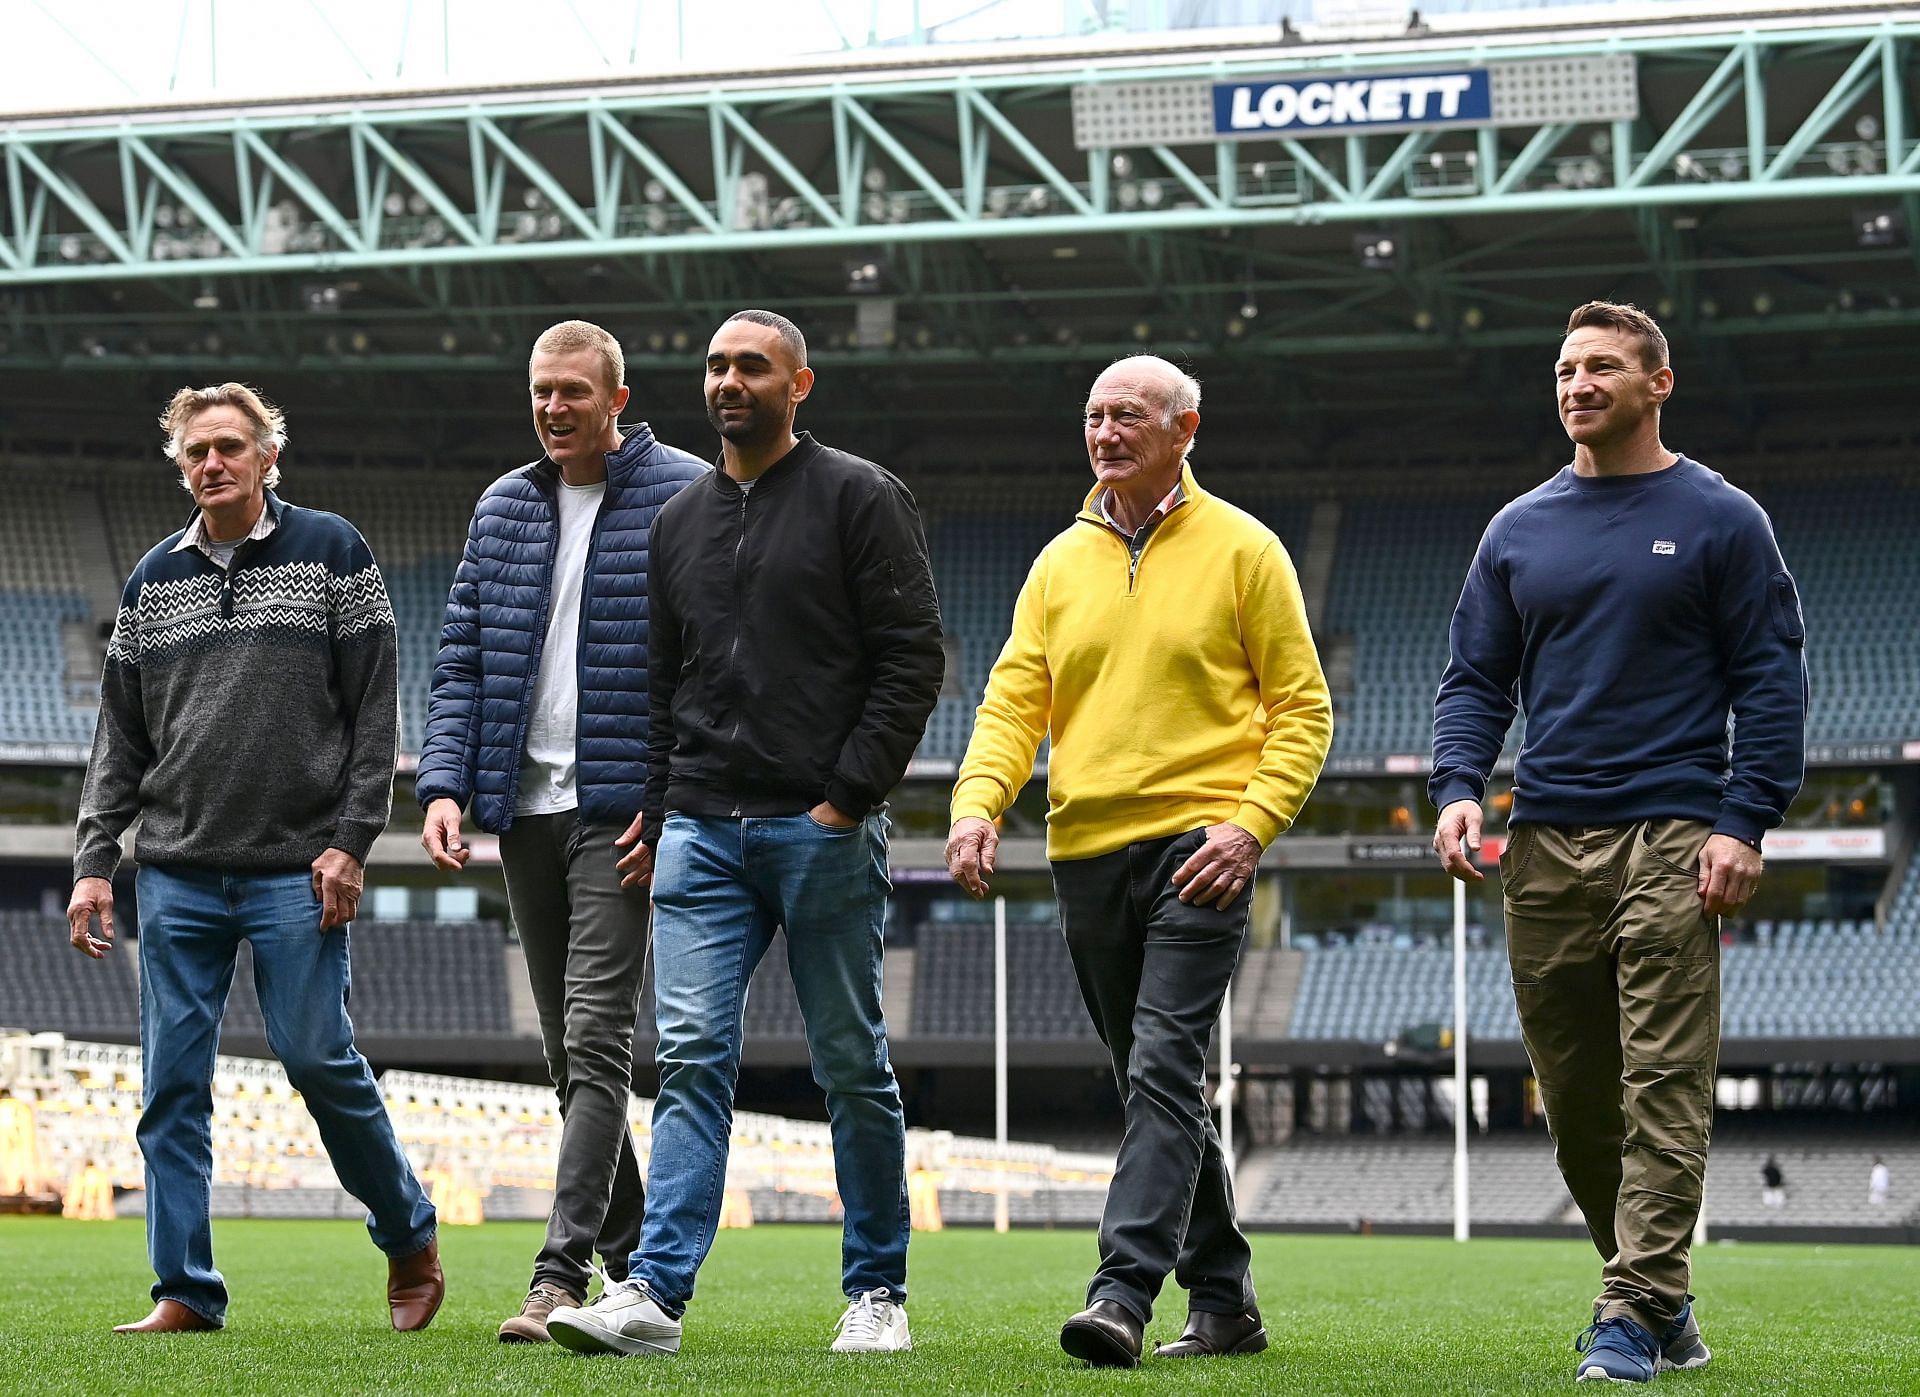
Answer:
(1153, 971)
(585, 940)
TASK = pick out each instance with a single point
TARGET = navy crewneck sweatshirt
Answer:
(1631, 618)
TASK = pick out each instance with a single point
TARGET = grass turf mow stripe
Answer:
(1347, 1315)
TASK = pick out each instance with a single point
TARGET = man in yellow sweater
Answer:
(1162, 643)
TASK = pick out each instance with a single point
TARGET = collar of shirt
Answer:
(196, 534)
(1160, 511)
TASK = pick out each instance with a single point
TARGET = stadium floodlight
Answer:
(1377, 251)
(1142, 331)
(449, 343)
(1151, 193)
(875, 179)
(1762, 304)
(867, 276)
(207, 298)
(1122, 164)
(1878, 228)
(1472, 318)
(321, 297)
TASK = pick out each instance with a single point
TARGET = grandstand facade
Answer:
(1372, 315)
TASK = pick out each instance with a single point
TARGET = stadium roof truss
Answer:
(912, 183)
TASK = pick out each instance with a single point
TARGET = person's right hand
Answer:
(1457, 840)
(970, 848)
(92, 897)
(440, 836)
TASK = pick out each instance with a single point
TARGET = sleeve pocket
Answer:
(1784, 601)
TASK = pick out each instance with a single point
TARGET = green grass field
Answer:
(1358, 1315)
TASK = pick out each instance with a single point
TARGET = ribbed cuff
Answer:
(356, 840)
(1261, 824)
(977, 798)
(1456, 788)
(1741, 826)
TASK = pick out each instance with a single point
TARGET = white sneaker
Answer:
(626, 1319)
(873, 1324)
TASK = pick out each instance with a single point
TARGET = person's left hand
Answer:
(1729, 872)
(337, 882)
(636, 866)
(829, 814)
(1220, 869)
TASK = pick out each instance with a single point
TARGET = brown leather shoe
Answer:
(169, 1317)
(415, 1287)
(1210, 1335)
(1105, 1334)
(530, 1325)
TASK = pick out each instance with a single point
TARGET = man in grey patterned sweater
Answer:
(248, 718)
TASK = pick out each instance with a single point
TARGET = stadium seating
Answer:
(953, 982)
(1408, 1180)
(493, 1144)
(1840, 980)
(1397, 566)
(46, 984)
(410, 979)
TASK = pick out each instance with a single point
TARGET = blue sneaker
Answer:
(1616, 1350)
(1681, 1346)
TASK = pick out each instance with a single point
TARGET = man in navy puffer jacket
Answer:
(538, 718)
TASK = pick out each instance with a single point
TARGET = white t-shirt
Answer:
(546, 768)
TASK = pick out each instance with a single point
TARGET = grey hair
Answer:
(269, 423)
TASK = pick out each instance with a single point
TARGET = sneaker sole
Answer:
(578, 1338)
(1705, 1357)
(1598, 1374)
(906, 1347)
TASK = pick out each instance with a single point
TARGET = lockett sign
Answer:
(1401, 101)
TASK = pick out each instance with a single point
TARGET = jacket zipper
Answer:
(733, 647)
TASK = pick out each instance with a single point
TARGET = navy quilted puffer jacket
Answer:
(497, 622)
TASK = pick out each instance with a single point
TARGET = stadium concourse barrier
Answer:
(485, 1149)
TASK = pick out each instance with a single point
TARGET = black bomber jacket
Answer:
(794, 640)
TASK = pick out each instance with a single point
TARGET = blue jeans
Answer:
(192, 921)
(721, 888)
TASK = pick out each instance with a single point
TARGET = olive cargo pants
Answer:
(1616, 974)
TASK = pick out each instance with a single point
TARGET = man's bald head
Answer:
(1174, 390)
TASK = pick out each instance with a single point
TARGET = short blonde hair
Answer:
(269, 423)
(570, 335)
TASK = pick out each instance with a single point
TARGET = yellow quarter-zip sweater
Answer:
(1181, 691)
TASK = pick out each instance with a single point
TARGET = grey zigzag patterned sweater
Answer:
(249, 718)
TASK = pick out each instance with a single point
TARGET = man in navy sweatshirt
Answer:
(1629, 606)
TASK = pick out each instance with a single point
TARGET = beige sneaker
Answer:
(530, 1325)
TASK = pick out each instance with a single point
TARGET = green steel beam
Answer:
(1852, 85)
(699, 147)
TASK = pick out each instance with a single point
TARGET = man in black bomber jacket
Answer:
(794, 657)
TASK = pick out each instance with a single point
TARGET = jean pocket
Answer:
(825, 828)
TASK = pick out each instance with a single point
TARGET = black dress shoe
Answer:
(1210, 1335)
(1104, 1334)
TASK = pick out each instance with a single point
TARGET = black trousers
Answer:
(1153, 971)
(585, 939)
